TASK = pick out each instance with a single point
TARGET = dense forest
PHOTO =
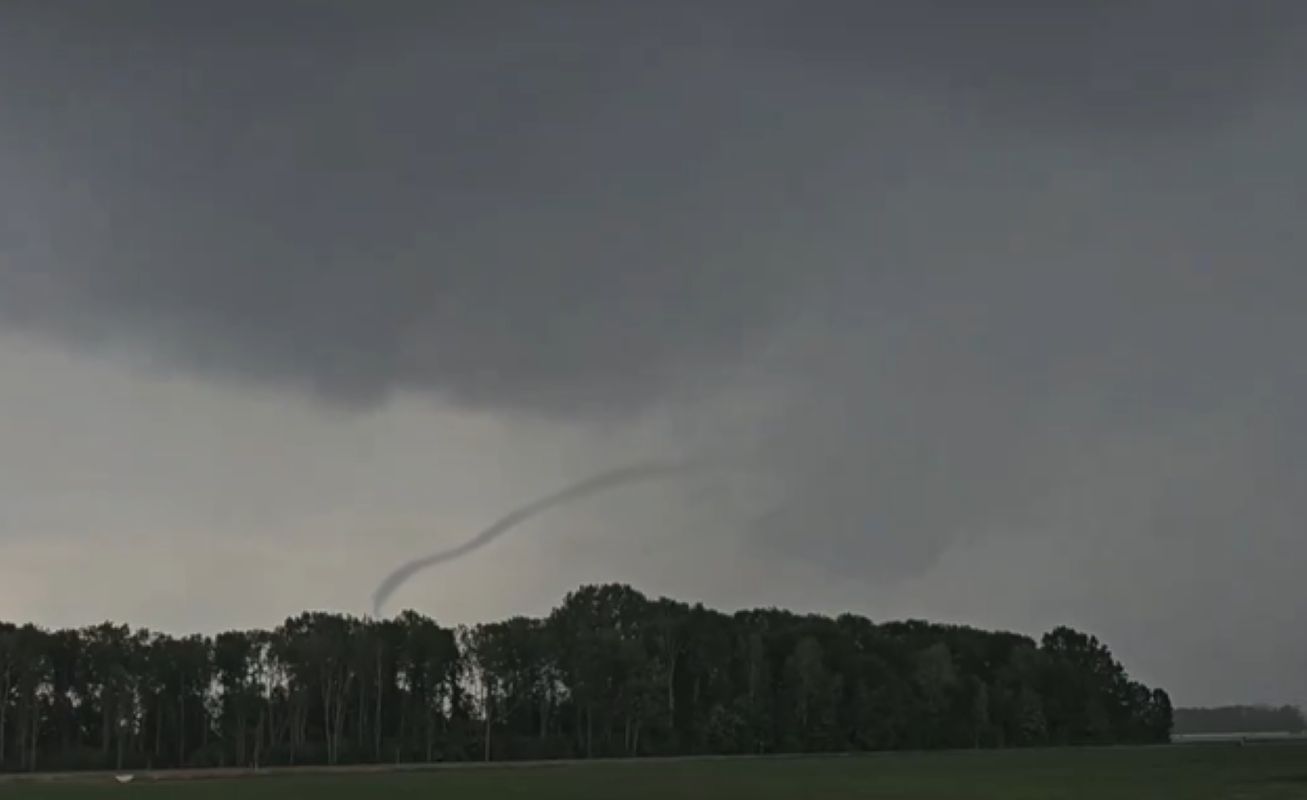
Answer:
(1240, 719)
(608, 673)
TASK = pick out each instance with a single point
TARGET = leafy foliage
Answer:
(608, 673)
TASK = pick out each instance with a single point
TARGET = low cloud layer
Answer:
(552, 211)
(958, 275)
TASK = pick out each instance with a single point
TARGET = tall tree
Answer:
(607, 673)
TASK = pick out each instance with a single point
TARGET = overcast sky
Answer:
(999, 305)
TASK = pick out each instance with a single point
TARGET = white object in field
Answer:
(124, 778)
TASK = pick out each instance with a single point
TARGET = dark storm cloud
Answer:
(541, 208)
(994, 267)
(1108, 65)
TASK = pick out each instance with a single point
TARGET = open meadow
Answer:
(1184, 772)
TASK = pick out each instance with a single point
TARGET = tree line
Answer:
(609, 672)
(1240, 719)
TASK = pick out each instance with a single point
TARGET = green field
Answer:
(1197, 772)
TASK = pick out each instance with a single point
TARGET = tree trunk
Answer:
(431, 724)
(544, 715)
(576, 726)
(278, 729)
(20, 729)
(294, 728)
(671, 692)
(106, 719)
(241, 725)
(326, 716)
(485, 712)
(376, 717)
(296, 725)
(158, 728)
(401, 739)
(35, 732)
(181, 727)
(258, 738)
(4, 707)
(361, 729)
(339, 706)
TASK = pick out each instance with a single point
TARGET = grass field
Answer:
(1187, 772)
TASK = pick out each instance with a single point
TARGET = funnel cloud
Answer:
(603, 482)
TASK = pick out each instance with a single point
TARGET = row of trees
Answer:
(608, 673)
(1240, 719)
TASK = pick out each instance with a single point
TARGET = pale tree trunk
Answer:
(336, 717)
(338, 705)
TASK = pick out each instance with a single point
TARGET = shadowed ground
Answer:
(1194, 772)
